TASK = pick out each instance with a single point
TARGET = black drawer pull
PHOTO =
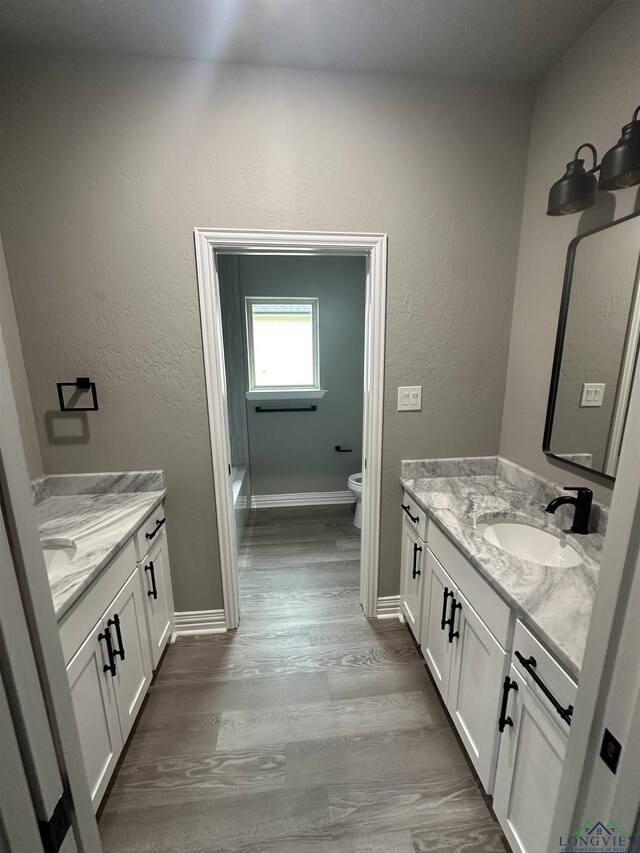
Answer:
(116, 623)
(444, 621)
(407, 509)
(529, 664)
(159, 523)
(416, 550)
(455, 605)
(504, 720)
(111, 666)
(153, 592)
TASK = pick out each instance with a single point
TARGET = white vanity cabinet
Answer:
(111, 639)
(155, 576)
(94, 702)
(465, 659)
(508, 698)
(413, 553)
(131, 656)
(533, 744)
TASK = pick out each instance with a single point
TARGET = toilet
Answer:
(355, 487)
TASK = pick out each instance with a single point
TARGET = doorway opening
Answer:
(278, 318)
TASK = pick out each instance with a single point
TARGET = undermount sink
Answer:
(530, 543)
(58, 553)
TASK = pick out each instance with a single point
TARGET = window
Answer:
(282, 337)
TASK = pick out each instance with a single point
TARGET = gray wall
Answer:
(294, 452)
(18, 373)
(587, 97)
(234, 357)
(108, 163)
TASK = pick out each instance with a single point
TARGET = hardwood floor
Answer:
(307, 730)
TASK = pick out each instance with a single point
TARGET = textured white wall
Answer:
(108, 163)
(586, 98)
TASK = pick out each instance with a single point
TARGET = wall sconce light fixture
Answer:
(620, 168)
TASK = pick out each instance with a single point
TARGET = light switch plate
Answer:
(410, 398)
(592, 394)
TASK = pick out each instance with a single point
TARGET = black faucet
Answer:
(582, 503)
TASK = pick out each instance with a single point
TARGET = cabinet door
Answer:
(530, 761)
(436, 647)
(478, 666)
(158, 598)
(94, 704)
(411, 576)
(133, 671)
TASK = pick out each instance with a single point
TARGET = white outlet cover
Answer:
(410, 398)
(592, 395)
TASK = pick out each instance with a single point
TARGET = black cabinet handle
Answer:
(455, 605)
(529, 664)
(504, 720)
(444, 621)
(340, 449)
(111, 666)
(407, 509)
(154, 589)
(159, 523)
(416, 550)
(116, 623)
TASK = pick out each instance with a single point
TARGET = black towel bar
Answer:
(292, 409)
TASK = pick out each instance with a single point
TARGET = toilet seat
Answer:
(355, 483)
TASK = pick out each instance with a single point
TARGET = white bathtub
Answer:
(240, 487)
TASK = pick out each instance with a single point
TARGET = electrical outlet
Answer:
(592, 395)
(410, 398)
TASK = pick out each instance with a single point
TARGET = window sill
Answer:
(287, 394)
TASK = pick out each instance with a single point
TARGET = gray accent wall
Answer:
(588, 96)
(107, 163)
(294, 452)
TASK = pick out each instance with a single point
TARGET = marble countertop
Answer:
(98, 522)
(555, 603)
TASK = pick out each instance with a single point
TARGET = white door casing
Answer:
(208, 243)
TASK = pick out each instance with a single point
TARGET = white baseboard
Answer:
(388, 607)
(302, 499)
(200, 622)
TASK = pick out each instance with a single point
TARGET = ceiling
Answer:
(514, 41)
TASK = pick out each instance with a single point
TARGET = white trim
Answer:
(302, 499)
(609, 687)
(389, 607)
(623, 392)
(27, 567)
(287, 394)
(209, 242)
(190, 622)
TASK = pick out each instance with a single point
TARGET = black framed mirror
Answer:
(596, 349)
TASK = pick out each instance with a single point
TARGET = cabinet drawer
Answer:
(89, 608)
(150, 531)
(548, 670)
(414, 515)
(491, 608)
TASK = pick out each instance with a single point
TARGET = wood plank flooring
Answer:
(307, 730)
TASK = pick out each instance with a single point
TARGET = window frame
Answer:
(249, 302)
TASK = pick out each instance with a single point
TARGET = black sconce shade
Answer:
(576, 189)
(620, 167)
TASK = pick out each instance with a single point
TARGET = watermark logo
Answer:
(600, 836)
